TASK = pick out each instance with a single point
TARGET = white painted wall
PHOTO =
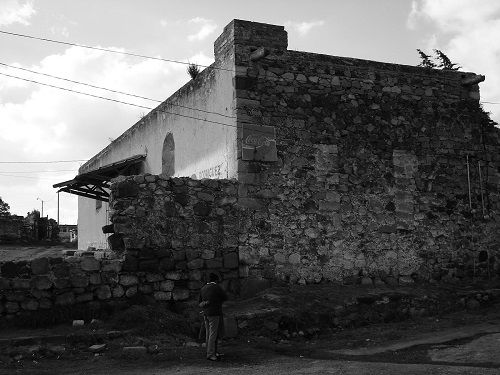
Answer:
(202, 148)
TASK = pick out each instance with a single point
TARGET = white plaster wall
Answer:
(204, 149)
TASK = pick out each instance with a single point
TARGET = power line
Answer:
(75, 91)
(57, 171)
(32, 178)
(42, 162)
(112, 90)
(110, 50)
(120, 101)
(490, 102)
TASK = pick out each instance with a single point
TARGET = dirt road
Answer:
(276, 366)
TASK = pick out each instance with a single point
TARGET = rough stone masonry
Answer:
(364, 178)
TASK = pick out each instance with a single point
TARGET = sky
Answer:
(40, 123)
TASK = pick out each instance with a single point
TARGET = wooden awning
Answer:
(95, 184)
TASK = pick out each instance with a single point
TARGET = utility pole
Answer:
(41, 200)
(57, 208)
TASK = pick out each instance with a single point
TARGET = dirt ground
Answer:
(14, 253)
(250, 354)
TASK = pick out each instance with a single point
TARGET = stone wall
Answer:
(370, 182)
(179, 225)
(175, 232)
(11, 228)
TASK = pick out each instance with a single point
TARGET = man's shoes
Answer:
(213, 358)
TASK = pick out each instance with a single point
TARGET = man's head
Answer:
(213, 277)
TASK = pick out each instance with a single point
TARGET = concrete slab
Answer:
(425, 339)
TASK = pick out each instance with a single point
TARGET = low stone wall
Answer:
(175, 232)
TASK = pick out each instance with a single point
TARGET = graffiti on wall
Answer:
(213, 172)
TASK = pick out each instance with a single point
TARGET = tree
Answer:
(426, 60)
(4, 208)
(445, 62)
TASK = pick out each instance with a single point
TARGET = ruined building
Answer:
(279, 164)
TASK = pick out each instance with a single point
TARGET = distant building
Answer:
(68, 232)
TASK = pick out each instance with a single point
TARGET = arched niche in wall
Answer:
(168, 156)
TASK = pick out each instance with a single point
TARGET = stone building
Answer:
(339, 169)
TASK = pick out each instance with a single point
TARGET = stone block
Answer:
(30, 305)
(154, 277)
(60, 270)
(194, 285)
(231, 260)
(214, 263)
(45, 303)
(114, 265)
(103, 292)
(173, 275)
(85, 297)
(195, 275)
(95, 278)
(207, 254)
(145, 289)
(62, 283)
(167, 286)
(20, 284)
(167, 264)
(162, 296)
(202, 209)
(126, 189)
(196, 264)
(79, 280)
(118, 291)
(41, 283)
(180, 294)
(4, 284)
(9, 270)
(65, 299)
(149, 265)
(40, 266)
(132, 291)
(11, 307)
(252, 204)
(127, 280)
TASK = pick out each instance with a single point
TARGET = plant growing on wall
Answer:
(426, 60)
(443, 61)
(193, 70)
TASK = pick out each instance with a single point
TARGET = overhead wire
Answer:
(110, 50)
(57, 171)
(114, 91)
(123, 102)
(42, 162)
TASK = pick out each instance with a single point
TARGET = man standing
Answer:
(211, 298)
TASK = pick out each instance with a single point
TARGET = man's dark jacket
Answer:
(214, 295)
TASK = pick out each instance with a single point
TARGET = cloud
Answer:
(59, 30)
(303, 28)
(206, 28)
(12, 11)
(467, 31)
(43, 123)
